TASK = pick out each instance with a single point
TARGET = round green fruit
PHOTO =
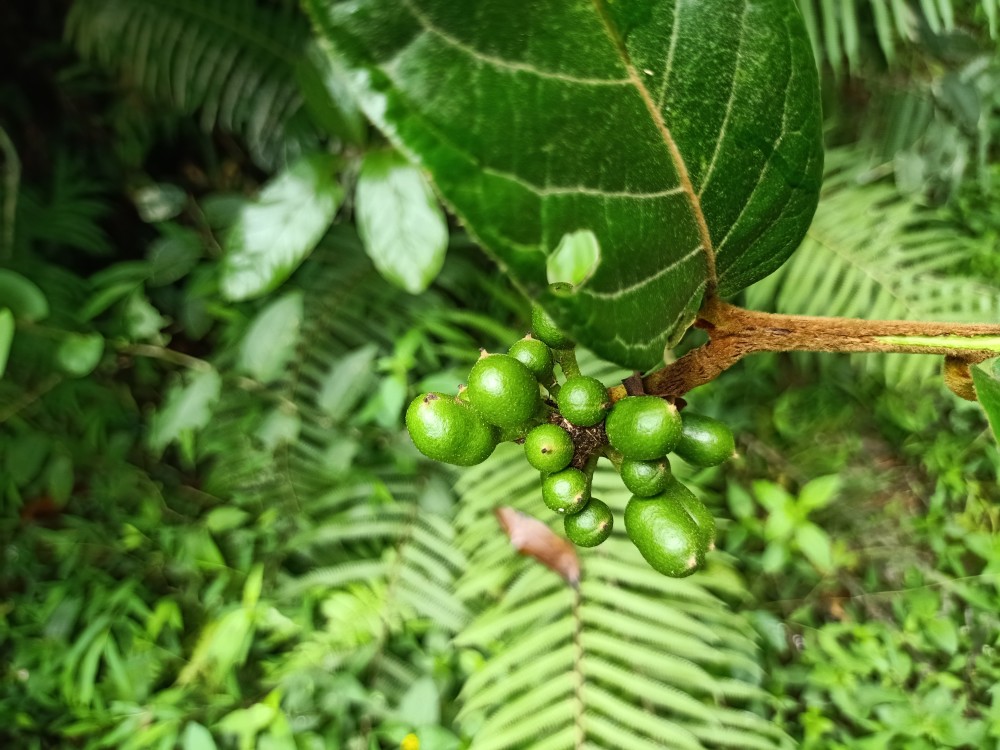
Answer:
(704, 441)
(646, 478)
(566, 491)
(503, 390)
(583, 400)
(534, 355)
(665, 535)
(643, 427)
(545, 328)
(590, 526)
(548, 448)
(695, 508)
(447, 430)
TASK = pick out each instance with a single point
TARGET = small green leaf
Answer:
(814, 543)
(173, 255)
(270, 341)
(347, 382)
(400, 222)
(6, 337)
(943, 633)
(421, 704)
(186, 409)
(988, 391)
(278, 230)
(197, 737)
(79, 353)
(22, 297)
(575, 259)
(818, 492)
(158, 202)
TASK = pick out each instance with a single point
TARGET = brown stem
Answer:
(735, 333)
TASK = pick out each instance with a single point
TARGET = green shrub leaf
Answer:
(988, 391)
(400, 222)
(22, 297)
(684, 136)
(277, 231)
(6, 337)
(270, 341)
(80, 353)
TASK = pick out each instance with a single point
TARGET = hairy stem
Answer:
(735, 333)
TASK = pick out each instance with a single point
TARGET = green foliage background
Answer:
(215, 533)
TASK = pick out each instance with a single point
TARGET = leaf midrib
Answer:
(636, 80)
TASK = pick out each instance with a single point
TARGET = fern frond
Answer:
(233, 62)
(871, 253)
(633, 660)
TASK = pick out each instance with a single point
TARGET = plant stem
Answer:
(11, 182)
(566, 359)
(735, 333)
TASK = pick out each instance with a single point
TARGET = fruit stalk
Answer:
(735, 333)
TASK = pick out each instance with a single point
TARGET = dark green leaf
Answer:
(79, 353)
(400, 222)
(276, 232)
(173, 255)
(988, 391)
(271, 339)
(22, 297)
(685, 136)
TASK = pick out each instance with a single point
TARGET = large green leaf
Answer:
(988, 391)
(684, 135)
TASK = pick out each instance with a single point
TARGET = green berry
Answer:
(534, 355)
(704, 441)
(583, 400)
(646, 478)
(665, 535)
(545, 328)
(503, 390)
(643, 427)
(695, 508)
(548, 448)
(566, 491)
(448, 430)
(590, 526)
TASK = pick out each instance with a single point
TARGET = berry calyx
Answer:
(704, 441)
(535, 355)
(566, 491)
(548, 448)
(665, 535)
(583, 400)
(643, 427)
(590, 526)
(646, 478)
(545, 328)
(503, 390)
(447, 430)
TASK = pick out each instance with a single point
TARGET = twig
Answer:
(11, 182)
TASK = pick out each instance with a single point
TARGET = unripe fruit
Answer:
(545, 328)
(548, 448)
(704, 441)
(583, 400)
(503, 390)
(590, 526)
(643, 427)
(450, 431)
(534, 355)
(646, 478)
(665, 535)
(566, 491)
(695, 508)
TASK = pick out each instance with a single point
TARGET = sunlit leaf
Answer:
(400, 222)
(684, 136)
(277, 231)
(186, 408)
(22, 297)
(6, 337)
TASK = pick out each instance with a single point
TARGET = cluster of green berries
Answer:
(566, 431)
